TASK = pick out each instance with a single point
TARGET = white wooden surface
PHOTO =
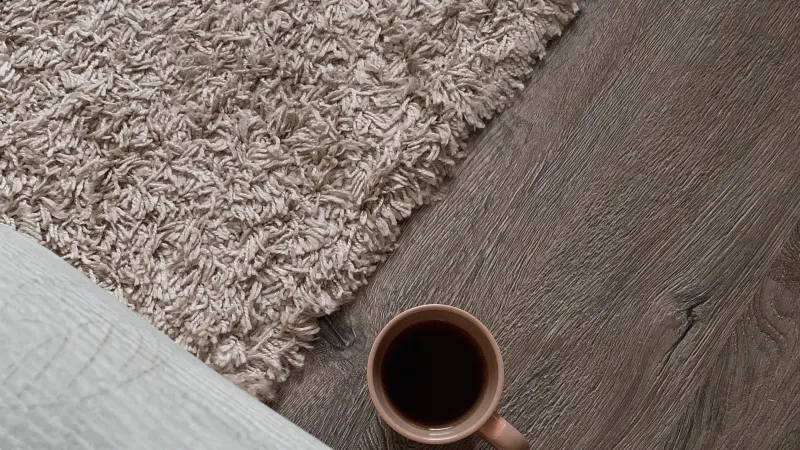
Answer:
(78, 370)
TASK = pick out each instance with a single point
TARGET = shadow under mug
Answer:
(482, 417)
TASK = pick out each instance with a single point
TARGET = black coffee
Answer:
(433, 373)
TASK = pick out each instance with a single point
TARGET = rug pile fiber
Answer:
(234, 169)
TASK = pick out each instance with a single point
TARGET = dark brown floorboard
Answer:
(626, 230)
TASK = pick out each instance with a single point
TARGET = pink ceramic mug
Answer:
(481, 417)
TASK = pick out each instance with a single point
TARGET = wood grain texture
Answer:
(619, 230)
(750, 394)
(78, 370)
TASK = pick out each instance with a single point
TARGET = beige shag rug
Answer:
(235, 169)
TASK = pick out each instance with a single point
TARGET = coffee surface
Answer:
(433, 373)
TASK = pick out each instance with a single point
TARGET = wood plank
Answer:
(613, 228)
(750, 394)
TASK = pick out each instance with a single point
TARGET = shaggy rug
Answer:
(235, 169)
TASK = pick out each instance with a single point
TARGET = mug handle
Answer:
(501, 435)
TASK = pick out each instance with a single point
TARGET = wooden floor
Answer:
(628, 230)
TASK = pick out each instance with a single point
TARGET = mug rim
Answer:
(483, 418)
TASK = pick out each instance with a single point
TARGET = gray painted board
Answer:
(79, 370)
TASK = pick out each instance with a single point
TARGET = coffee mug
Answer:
(435, 375)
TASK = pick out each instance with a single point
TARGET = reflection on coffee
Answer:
(433, 373)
